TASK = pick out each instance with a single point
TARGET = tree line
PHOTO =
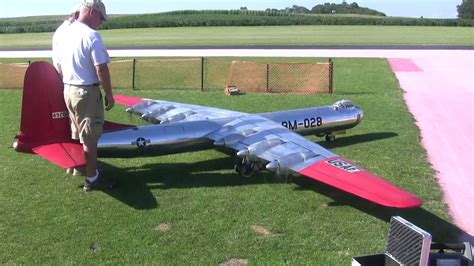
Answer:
(465, 9)
(332, 8)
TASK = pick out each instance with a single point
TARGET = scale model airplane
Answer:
(261, 141)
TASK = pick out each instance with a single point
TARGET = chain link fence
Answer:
(303, 78)
(214, 73)
(12, 75)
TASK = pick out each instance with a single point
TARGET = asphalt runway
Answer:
(439, 92)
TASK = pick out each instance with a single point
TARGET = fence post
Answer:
(134, 62)
(330, 75)
(268, 77)
(202, 73)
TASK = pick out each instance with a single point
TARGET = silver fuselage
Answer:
(317, 120)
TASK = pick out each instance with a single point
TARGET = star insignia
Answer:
(141, 142)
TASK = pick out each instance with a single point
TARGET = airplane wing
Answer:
(286, 152)
(163, 112)
(259, 139)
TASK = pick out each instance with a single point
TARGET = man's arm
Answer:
(104, 76)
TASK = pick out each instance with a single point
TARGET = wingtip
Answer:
(350, 178)
(127, 100)
(411, 202)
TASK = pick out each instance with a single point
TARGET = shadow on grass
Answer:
(135, 184)
(440, 229)
(357, 139)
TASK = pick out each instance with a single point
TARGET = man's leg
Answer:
(94, 180)
(90, 152)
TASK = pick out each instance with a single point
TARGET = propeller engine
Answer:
(282, 165)
(258, 148)
(247, 159)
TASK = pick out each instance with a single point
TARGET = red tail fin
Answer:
(44, 116)
(45, 128)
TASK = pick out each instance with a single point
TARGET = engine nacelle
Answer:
(258, 148)
(177, 117)
(282, 165)
(140, 107)
(153, 113)
(229, 140)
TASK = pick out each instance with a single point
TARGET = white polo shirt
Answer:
(81, 50)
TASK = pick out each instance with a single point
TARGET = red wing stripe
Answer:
(127, 100)
(67, 155)
(344, 175)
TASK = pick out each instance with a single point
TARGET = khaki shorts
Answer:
(86, 112)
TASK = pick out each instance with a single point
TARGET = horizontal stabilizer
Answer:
(127, 100)
(343, 175)
(65, 154)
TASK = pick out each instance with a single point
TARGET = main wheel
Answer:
(244, 167)
(330, 138)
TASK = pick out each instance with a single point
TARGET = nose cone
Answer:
(243, 153)
(272, 166)
(360, 115)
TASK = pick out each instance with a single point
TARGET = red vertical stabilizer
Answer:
(45, 128)
(44, 116)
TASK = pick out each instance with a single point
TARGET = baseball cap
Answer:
(97, 5)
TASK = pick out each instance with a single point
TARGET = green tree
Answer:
(297, 9)
(344, 8)
(466, 9)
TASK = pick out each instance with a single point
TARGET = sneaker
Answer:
(99, 184)
(69, 171)
(79, 171)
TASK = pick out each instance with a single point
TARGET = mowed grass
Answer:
(191, 208)
(259, 35)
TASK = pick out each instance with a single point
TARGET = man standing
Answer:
(83, 65)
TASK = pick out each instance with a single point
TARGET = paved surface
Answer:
(439, 87)
(440, 95)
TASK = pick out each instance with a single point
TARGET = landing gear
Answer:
(330, 138)
(245, 167)
(283, 178)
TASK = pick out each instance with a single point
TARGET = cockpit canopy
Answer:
(342, 104)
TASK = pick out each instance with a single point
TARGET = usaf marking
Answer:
(343, 165)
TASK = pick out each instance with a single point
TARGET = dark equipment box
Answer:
(407, 245)
(411, 245)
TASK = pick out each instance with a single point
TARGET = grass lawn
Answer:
(191, 208)
(276, 35)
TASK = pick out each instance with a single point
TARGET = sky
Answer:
(403, 8)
